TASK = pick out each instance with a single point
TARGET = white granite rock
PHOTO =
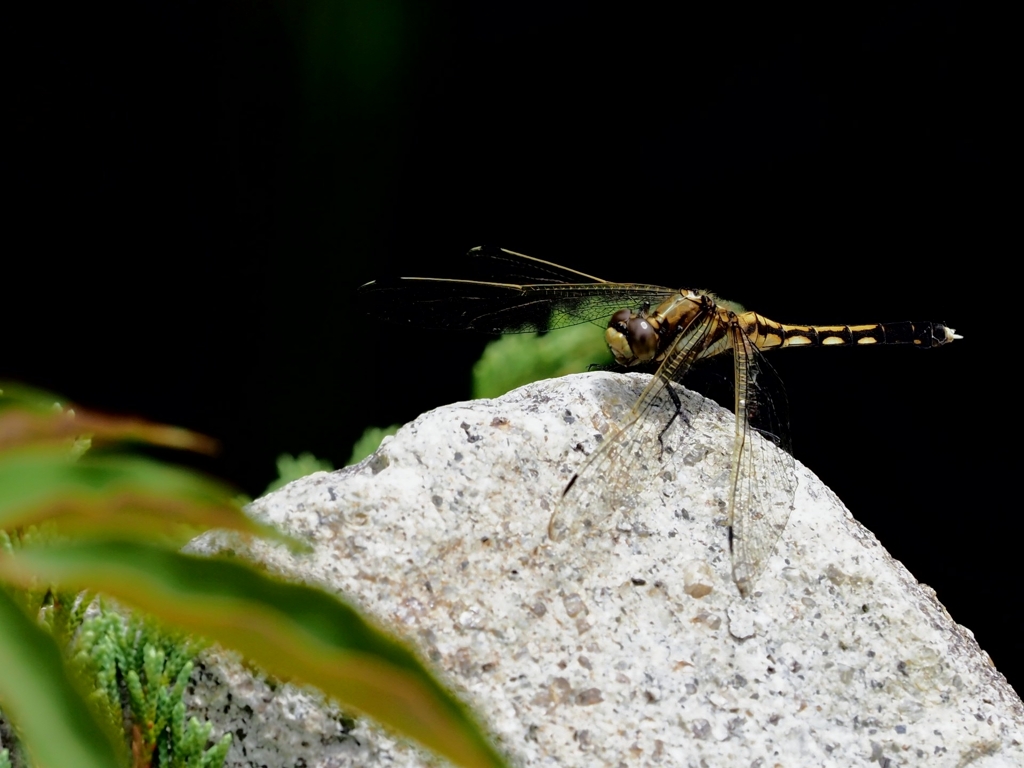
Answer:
(631, 648)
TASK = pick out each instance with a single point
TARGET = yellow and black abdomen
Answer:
(768, 334)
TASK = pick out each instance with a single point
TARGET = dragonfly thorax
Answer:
(640, 337)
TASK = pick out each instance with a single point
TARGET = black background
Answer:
(194, 190)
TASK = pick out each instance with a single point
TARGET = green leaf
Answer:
(121, 495)
(33, 417)
(369, 442)
(520, 358)
(290, 468)
(292, 631)
(52, 718)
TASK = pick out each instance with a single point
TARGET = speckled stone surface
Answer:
(628, 649)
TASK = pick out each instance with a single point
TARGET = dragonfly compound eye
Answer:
(643, 339)
(616, 337)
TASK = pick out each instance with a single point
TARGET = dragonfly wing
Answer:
(505, 292)
(504, 308)
(486, 261)
(601, 496)
(763, 481)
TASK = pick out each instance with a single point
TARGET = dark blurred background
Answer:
(194, 190)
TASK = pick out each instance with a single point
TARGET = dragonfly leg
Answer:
(678, 413)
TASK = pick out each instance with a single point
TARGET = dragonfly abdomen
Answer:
(768, 334)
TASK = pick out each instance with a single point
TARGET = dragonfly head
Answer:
(631, 337)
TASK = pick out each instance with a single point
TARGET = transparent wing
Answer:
(602, 494)
(506, 292)
(763, 479)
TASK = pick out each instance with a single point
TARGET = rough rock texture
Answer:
(629, 648)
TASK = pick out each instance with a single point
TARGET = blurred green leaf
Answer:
(36, 692)
(520, 358)
(292, 631)
(50, 473)
(369, 442)
(291, 468)
(31, 417)
(114, 494)
(126, 511)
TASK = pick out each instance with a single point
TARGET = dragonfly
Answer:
(650, 328)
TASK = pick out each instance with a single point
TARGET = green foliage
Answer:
(291, 468)
(293, 631)
(369, 442)
(111, 523)
(512, 361)
(43, 699)
(520, 358)
(45, 479)
(139, 673)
